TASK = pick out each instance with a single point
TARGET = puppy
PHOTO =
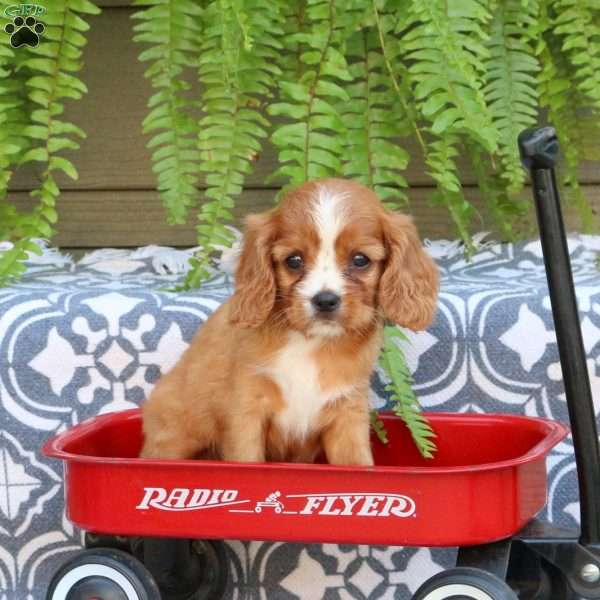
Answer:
(280, 372)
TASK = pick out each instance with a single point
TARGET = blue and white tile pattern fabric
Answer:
(81, 339)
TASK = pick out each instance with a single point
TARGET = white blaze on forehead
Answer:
(329, 216)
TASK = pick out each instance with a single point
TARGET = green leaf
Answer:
(405, 403)
(35, 154)
(58, 162)
(378, 427)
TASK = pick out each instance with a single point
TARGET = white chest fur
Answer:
(296, 372)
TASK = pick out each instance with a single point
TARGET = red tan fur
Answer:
(270, 376)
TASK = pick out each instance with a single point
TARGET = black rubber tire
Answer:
(213, 568)
(213, 554)
(465, 583)
(103, 573)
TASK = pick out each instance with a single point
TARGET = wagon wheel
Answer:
(103, 574)
(464, 583)
(215, 565)
(199, 569)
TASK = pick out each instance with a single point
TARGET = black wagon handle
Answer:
(539, 151)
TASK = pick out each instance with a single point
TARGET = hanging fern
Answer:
(311, 147)
(51, 65)
(173, 29)
(8, 101)
(14, 117)
(238, 71)
(578, 25)
(371, 152)
(402, 396)
(569, 110)
(378, 426)
(347, 82)
(445, 42)
(511, 90)
(508, 211)
(438, 154)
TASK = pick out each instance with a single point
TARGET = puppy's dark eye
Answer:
(360, 261)
(294, 262)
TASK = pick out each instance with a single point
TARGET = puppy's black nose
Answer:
(326, 301)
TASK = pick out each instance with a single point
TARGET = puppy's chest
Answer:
(299, 377)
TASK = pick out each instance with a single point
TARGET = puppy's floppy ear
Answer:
(254, 295)
(409, 284)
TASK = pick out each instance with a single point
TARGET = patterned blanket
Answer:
(87, 338)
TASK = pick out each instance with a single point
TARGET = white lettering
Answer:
(199, 498)
(229, 495)
(326, 510)
(214, 499)
(405, 507)
(177, 498)
(363, 505)
(311, 505)
(349, 504)
(153, 497)
(369, 507)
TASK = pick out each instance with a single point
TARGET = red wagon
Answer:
(487, 481)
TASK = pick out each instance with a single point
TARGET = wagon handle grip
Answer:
(539, 152)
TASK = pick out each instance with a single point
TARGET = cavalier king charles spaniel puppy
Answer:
(280, 372)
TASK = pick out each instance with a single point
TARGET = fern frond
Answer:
(11, 108)
(231, 133)
(172, 27)
(8, 149)
(385, 24)
(441, 159)
(374, 121)
(511, 90)
(579, 29)
(445, 44)
(507, 211)
(378, 426)
(311, 147)
(53, 64)
(403, 397)
(571, 113)
(440, 153)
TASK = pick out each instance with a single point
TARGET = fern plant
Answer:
(173, 30)
(402, 396)
(238, 71)
(372, 154)
(337, 87)
(310, 147)
(510, 77)
(570, 108)
(9, 102)
(45, 75)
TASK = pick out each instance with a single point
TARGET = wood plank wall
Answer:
(115, 203)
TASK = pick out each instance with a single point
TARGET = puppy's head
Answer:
(331, 259)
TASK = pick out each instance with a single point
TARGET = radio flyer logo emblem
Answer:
(337, 504)
(24, 29)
